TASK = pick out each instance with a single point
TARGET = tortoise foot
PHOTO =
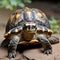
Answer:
(12, 54)
(48, 51)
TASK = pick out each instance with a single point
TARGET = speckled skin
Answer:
(28, 26)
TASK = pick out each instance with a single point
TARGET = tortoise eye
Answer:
(28, 26)
(33, 27)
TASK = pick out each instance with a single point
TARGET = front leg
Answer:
(12, 46)
(45, 43)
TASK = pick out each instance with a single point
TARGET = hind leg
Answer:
(12, 46)
(53, 40)
(5, 43)
(45, 43)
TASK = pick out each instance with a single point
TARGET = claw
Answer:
(12, 55)
(49, 51)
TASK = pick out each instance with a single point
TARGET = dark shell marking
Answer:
(14, 30)
(44, 29)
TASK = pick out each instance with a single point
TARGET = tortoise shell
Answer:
(27, 14)
(17, 20)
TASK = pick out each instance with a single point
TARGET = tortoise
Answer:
(28, 26)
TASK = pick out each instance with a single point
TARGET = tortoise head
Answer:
(29, 26)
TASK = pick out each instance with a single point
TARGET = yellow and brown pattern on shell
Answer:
(29, 15)
(18, 29)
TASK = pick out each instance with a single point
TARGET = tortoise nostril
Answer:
(33, 27)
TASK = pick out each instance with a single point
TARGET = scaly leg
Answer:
(45, 43)
(12, 46)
